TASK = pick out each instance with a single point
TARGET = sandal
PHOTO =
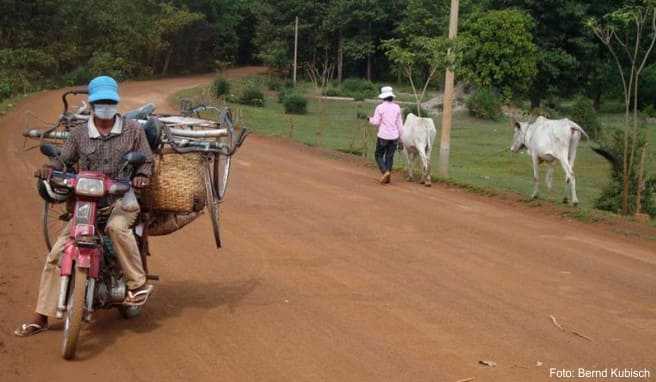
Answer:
(139, 296)
(26, 330)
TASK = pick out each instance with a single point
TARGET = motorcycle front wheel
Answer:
(74, 311)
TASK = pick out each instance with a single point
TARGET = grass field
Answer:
(479, 149)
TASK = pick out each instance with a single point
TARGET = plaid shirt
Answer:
(95, 152)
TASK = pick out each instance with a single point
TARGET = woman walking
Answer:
(390, 124)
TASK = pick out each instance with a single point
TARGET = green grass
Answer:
(480, 158)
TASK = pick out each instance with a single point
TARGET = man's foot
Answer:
(37, 325)
(387, 177)
(139, 296)
(382, 178)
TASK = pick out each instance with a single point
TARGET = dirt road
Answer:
(326, 275)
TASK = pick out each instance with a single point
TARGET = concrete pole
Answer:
(445, 139)
(295, 48)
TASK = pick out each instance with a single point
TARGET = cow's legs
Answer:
(570, 180)
(536, 176)
(409, 159)
(428, 180)
(549, 176)
(424, 166)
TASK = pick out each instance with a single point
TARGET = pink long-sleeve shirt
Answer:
(388, 119)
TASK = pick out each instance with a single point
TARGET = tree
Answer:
(497, 51)
(423, 54)
(622, 32)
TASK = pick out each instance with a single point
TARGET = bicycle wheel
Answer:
(221, 175)
(55, 218)
(212, 203)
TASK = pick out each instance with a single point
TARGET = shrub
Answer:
(484, 104)
(220, 87)
(295, 104)
(5, 90)
(251, 95)
(413, 109)
(274, 84)
(649, 111)
(332, 92)
(583, 113)
(104, 63)
(232, 98)
(79, 76)
(358, 88)
(611, 195)
(360, 96)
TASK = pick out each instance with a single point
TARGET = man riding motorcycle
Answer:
(99, 146)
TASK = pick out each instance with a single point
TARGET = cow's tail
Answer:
(578, 128)
(614, 161)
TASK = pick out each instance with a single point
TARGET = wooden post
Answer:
(295, 49)
(445, 139)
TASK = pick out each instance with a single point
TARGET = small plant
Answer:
(332, 92)
(251, 95)
(583, 113)
(649, 111)
(484, 104)
(78, 76)
(283, 93)
(358, 88)
(295, 103)
(220, 87)
(5, 90)
(274, 84)
(611, 198)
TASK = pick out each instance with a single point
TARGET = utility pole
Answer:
(295, 48)
(447, 102)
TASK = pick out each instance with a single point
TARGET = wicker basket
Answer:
(177, 183)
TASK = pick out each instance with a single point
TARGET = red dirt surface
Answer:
(327, 275)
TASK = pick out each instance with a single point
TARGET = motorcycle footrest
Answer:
(152, 277)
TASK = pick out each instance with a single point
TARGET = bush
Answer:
(295, 104)
(220, 87)
(251, 95)
(286, 90)
(80, 76)
(104, 63)
(583, 113)
(332, 92)
(358, 88)
(5, 90)
(484, 104)
(413, 109)
(649, 111)
(611, 195)
(276, 84)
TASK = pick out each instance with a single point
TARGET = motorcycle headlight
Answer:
(90, 187)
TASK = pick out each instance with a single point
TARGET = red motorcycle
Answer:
(91, 277)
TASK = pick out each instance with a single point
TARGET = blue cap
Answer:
(103, 88)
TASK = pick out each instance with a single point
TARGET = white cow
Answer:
(548, 140)
(417, 137)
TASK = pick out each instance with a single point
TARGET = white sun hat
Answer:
(386, 91)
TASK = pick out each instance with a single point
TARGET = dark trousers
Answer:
(385, 149)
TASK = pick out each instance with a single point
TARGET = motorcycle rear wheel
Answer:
(74, 311)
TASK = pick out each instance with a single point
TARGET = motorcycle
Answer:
(91, 277)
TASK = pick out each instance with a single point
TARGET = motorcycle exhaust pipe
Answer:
(63, 291)
(91, 285)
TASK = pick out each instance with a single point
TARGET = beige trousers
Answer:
(125, 247)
